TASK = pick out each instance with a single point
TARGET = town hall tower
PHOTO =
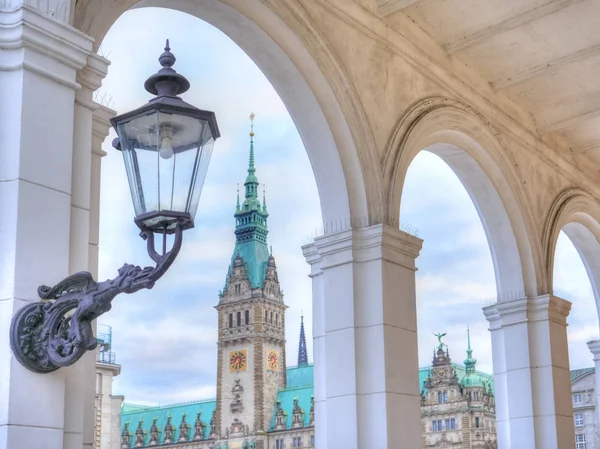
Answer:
(251, 313)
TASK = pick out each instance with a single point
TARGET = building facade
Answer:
(457, 404)
(107, 416)
(585, 417)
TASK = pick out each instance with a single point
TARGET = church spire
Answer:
(470, 362)
(251, 180)
(251, 225)
(302, 353)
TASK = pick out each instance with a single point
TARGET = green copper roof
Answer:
(251, 226)
(300, 376)
(577, 373)
(300, 382)
(133, 414)
(478, 376)
(286, 399)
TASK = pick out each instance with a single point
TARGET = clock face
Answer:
(441, 373)
(238, 360)
(273, 360)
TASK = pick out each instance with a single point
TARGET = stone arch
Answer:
(320, 100)
(471, 148)
(577, 213)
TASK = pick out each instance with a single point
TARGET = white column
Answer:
(320, 358)
(370, 330)
(39, 61)
(100, 129)
(79, 399)
(531, 372)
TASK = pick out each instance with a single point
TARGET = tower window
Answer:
(247, 316)
(452, 423)
(445, 396)
(276, 319)
(230, 320)
(239, 318)
(266, 314)
(440, 397)
(271, 317)
(477, 421)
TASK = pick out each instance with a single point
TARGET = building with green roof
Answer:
(457, 403)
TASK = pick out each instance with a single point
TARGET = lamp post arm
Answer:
(57, 331)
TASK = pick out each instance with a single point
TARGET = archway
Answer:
(469, 147)
(577, 214)
(573, 257)
(296, 77)
(292, 71)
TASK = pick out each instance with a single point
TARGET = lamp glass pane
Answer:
(138, 143)
(183, 166)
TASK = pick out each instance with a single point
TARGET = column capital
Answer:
(367, 244)
(94, 72)
(55, 50)
(101, 127)
(594, 347)
(313, 258)
(540, 308)
(90, 78)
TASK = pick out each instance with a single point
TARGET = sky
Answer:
(165, 338)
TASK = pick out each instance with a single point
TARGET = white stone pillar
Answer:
(370, 331)
(531, 372)
(79, 399)
(100, 129)
(39, 60)
(320, 358)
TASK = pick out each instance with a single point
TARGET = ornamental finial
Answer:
(252, 124)
(167, 59)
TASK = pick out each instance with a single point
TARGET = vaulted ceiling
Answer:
(544, 54)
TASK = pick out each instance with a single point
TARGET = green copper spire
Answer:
(470, 362)
(264, 205)
(251, 225)
(251, 180)
(237, 206)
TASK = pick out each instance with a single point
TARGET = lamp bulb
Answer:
(166, 148)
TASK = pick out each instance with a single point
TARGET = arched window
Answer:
(440, 397)
(247, 316)
(445, 396)
(230, 320)
(266, 314)
(477, 421)
(276, 319)
(239, 318)
(271, 317)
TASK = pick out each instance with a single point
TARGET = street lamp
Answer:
(166, 146)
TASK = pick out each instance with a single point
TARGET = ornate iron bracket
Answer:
(57, 331)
